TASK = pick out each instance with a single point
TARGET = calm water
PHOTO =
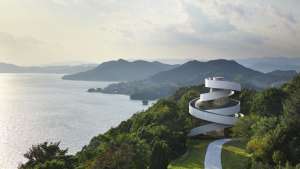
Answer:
(40, 107)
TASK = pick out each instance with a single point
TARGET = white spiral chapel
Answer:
(215, 107)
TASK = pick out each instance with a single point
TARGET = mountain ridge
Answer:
(269, 64)
(62, 69)
(194, 67)
(121, 70)
(194, 72)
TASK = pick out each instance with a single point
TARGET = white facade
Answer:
(221, 116)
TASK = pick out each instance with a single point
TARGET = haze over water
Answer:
(41, 107)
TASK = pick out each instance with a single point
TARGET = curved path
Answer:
(213, 154)
(219, 117)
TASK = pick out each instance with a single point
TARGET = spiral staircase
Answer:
(215, 107)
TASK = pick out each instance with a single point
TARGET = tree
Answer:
(268, 102)
(246, 98)
(243, 127)
(292, 104)
(123, 152)
(115, 157)
(159, 157)
(48, 156)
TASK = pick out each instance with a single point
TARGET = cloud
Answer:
(94, 30)
(205, 23)
(208, 30)
(237, 29)
(23, 48)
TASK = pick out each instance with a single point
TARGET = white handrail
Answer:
(220, 117)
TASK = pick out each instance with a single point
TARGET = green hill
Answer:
(194, 156)
(157, 137)
(234, 155)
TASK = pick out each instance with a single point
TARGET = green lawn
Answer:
(194, 157)
(234, 155)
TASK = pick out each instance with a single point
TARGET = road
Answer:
(213, 154)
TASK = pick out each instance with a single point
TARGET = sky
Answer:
(34, 32)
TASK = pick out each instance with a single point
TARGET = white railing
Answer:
(220, 117)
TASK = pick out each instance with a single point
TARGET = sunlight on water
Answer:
(36, 108)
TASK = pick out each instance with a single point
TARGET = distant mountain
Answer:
(193, 73)
(121, 70)
(10, 68)
(272, 63)
(283, 73)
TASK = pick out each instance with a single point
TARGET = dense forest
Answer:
(272, 126)
(152, 138)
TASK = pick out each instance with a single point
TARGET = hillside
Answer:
(157, 137)
(64, 69)
(121, 70)
(194, 72)
(234, 155)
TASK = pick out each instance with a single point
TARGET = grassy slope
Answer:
(194, 157)
(234, 155)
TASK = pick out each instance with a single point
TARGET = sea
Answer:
(35, 108)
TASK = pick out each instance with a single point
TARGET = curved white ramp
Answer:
(213, 154)
(221, 115)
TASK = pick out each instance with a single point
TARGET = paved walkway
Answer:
(213, 154)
